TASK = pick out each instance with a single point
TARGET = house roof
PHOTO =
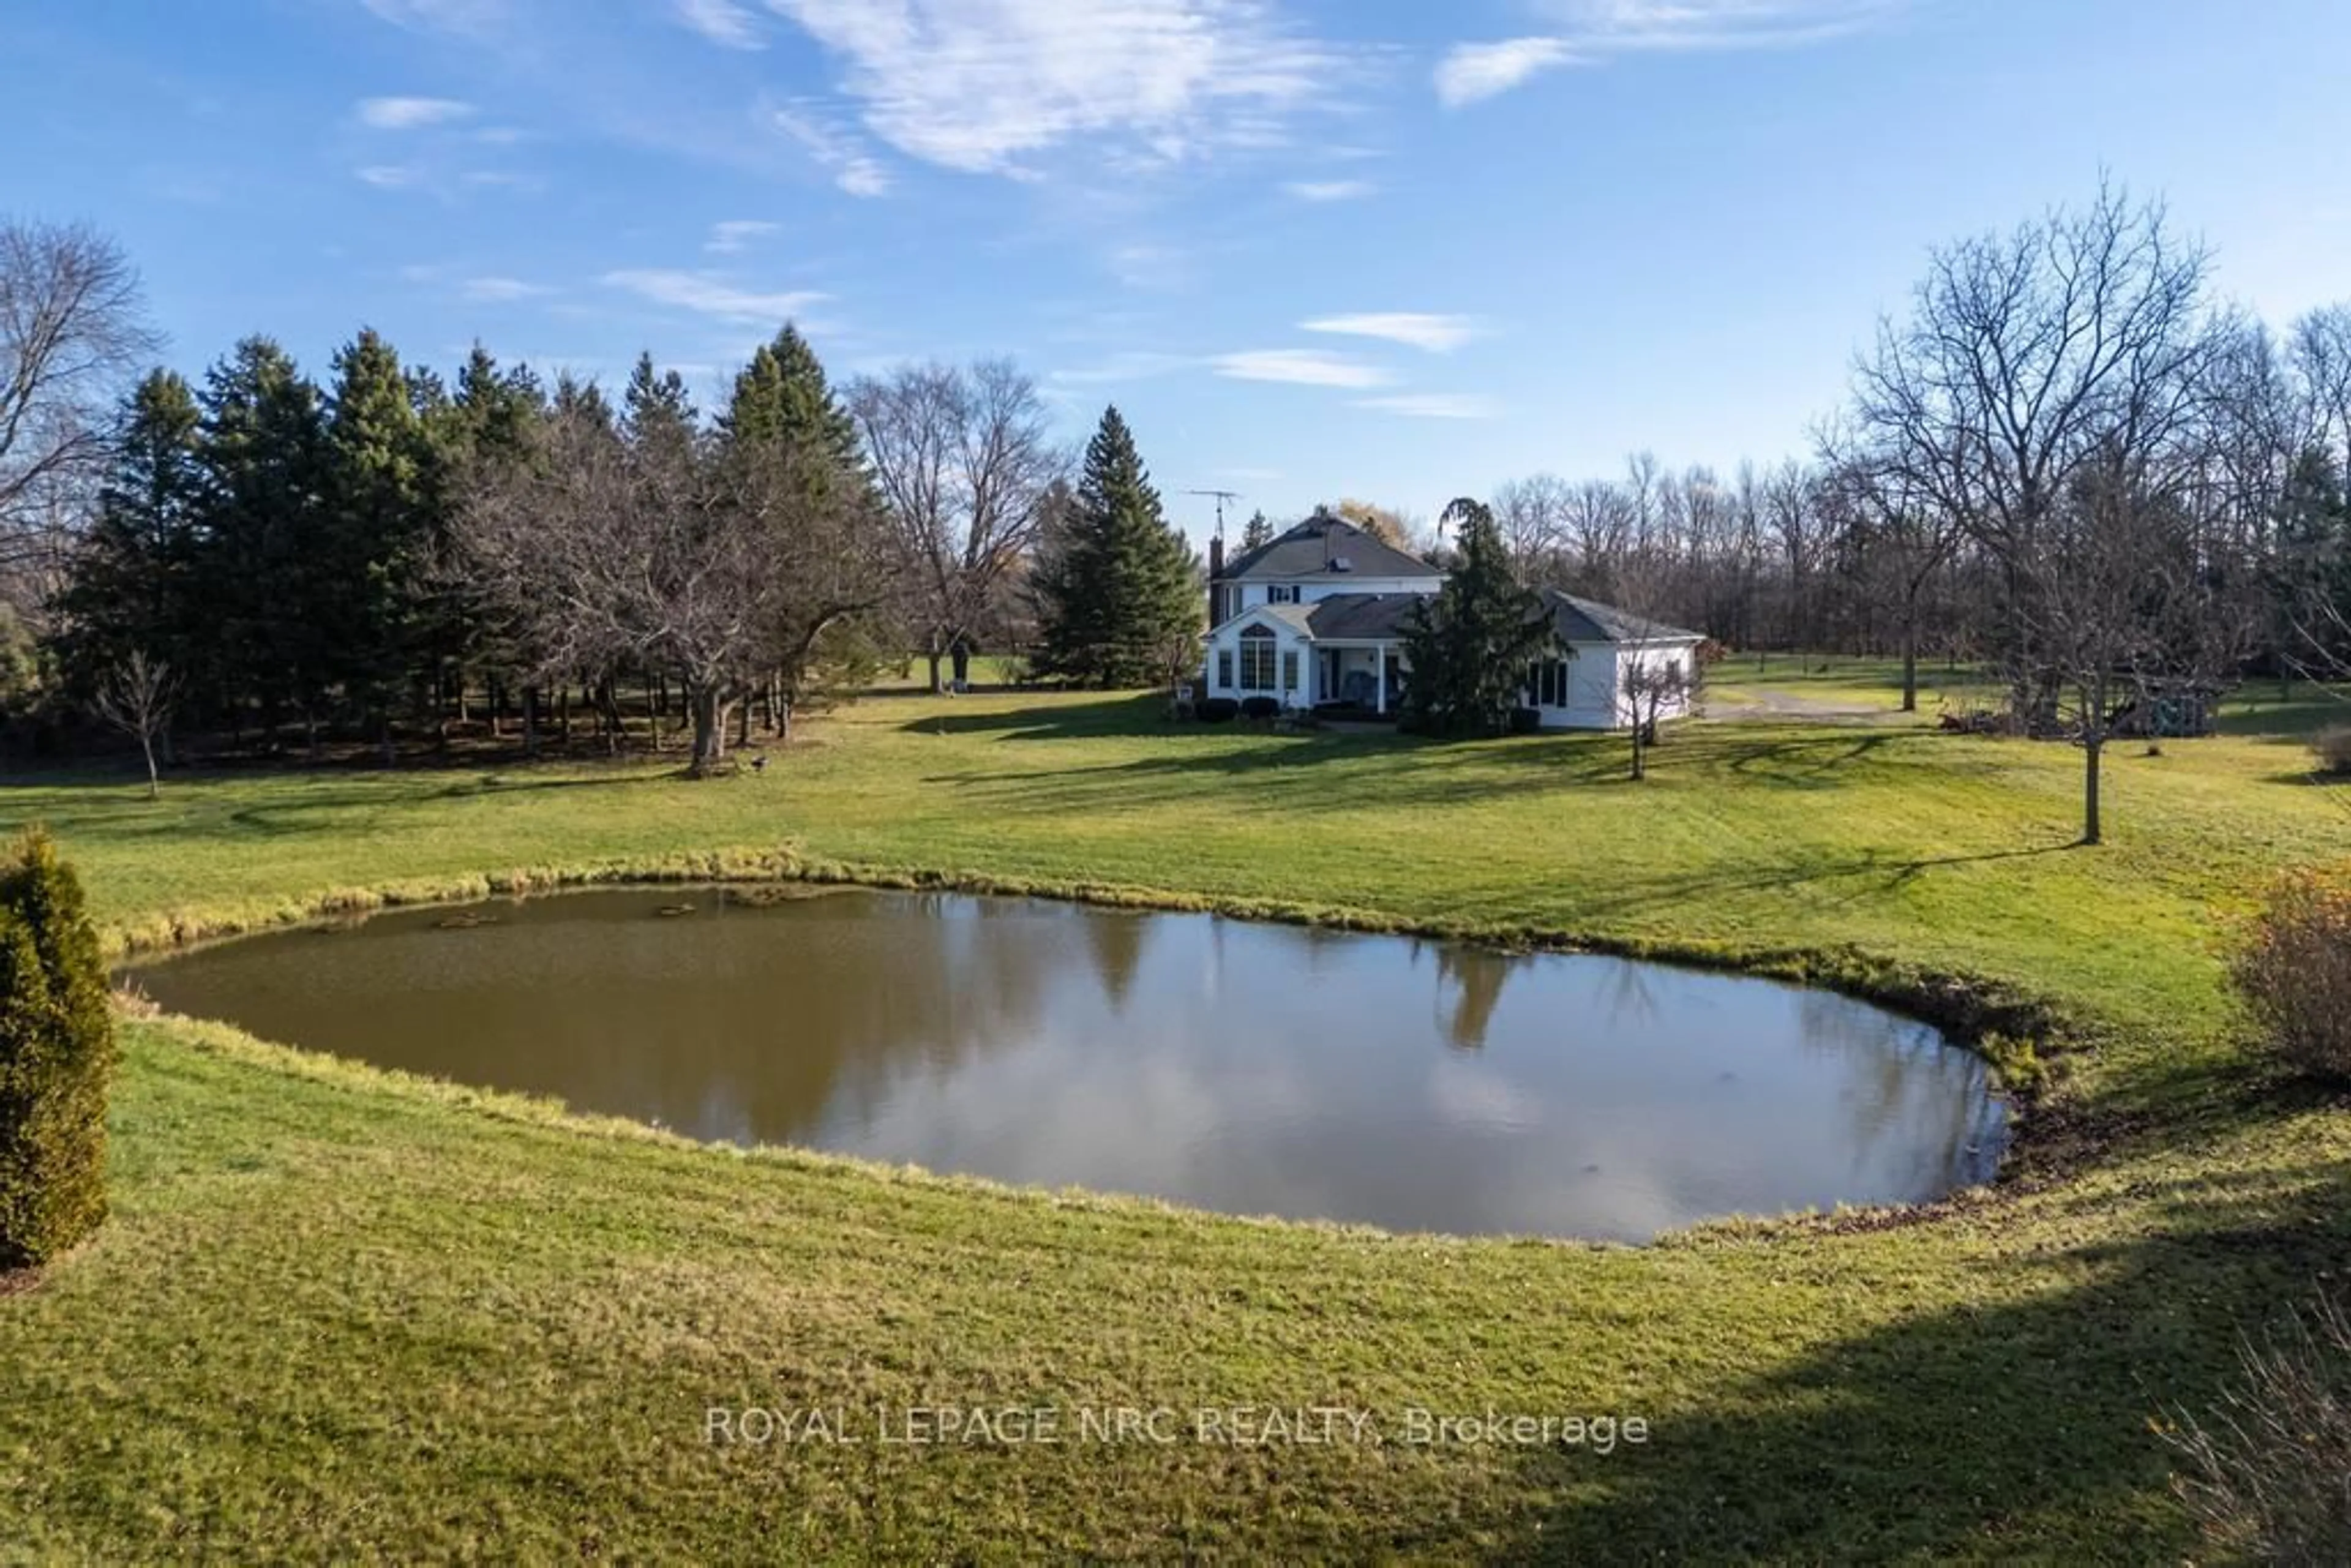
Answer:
(1350, 617)
(1589, 621)
(1317, 547)
(1382, 617)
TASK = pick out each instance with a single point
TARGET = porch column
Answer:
(1380, 675)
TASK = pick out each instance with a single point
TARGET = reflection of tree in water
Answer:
(1626, 997)
(1901, 1077)
(721, 1021)
(1115, 937)
(1477, 975)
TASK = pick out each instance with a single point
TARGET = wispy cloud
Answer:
(1590, 32)
(1140, 264)
(1301, 367)
(723, 22)
(854, 170)
(1329, 190)
(390, 176)
(441, 16)
(982, 85)
(411, 113)
(735, 235)
(500, 291)
(1616, 26)
(1473, 71)
(1434, 405)
(1432, 334)
(708, 294)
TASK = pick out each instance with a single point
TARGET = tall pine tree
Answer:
(133, 590)
(270, 587)
(1469, 647)
(377, 533)
(785, 417)
(1120, 602)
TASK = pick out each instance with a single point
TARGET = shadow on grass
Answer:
(1322, 768)
(1967, 1431)
(1119, 714)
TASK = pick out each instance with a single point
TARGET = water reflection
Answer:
(1254, 1069)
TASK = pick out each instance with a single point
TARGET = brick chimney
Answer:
(1215, 577)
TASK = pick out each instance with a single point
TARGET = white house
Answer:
(1316, 618)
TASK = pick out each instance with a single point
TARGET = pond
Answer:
(1246, 1068)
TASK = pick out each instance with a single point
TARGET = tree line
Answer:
(2067, 462)
(272, 561)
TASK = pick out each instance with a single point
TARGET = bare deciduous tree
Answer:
(965, 460)
(669, 550)
(72, 333)
(137, 697)
(2036, 394)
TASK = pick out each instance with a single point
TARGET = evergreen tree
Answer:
(1258, 532)
(1470, 646)
(782, 400)
(376, 535)
(57, 1053)
(132, 588)
(784, 417)
(2312, 593)
(264, 580)
(1120, 602)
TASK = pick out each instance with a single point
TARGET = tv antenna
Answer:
(1222, 496)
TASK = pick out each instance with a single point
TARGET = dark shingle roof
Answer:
(1350, 616)
(1589, 621)
(1314, 545)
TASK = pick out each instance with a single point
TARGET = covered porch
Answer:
(1364, 678)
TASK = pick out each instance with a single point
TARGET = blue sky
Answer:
(1396, 249)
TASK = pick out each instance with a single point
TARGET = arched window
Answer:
(1257, 659)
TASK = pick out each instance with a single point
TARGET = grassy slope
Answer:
(348, 1314)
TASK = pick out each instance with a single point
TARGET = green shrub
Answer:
(1525, 720)
(1218, 710)
(2295, 974)
(2332, 746)
(57, 1051)
(2270, 1465)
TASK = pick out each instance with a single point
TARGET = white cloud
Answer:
(722, 22)
(1625, 25)
(1301, 367)
(1592, 31)
(1329, 190)
(1431, 334)
(854, 170)
(1434, 405)
(389, 176)
(735, 235)
(411, 113)
(1149, 266)
(708, 294)
(977, 85)
(500, 291)
(1473, 71)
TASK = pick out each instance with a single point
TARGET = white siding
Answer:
(1595, 685)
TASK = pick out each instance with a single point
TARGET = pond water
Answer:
(1252, 1068)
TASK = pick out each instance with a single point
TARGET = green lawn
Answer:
(342, 1313)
